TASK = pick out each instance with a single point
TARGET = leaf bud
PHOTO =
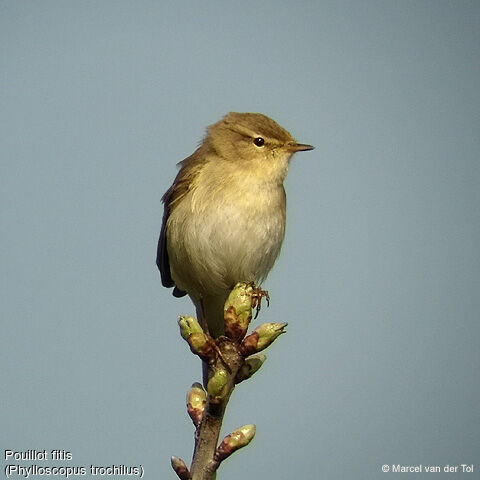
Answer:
(217, 385)
(188, 325)
(252, 364)
(180, 468)
(262, 337)
(196, 401)
(201, 345)
(238, 310)
(239, 438)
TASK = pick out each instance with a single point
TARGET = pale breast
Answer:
(220, 236)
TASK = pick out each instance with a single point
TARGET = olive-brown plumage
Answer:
(224, 215)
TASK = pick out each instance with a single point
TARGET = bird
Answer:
(224, 215)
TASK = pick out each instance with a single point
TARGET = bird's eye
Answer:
(259, 141)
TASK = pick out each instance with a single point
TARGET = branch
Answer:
(229, 359)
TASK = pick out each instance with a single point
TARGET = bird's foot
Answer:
(257, 296)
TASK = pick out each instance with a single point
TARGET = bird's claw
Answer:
(257, 296)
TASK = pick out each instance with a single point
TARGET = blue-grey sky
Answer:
(379, 273)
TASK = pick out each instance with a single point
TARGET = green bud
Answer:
(216, 386)
(201, 345)
(238, 310)
(180, 468)
(196, 401)
(239, 438)
(188, 325)
(268, 332)
(262, 337)
(251, 365)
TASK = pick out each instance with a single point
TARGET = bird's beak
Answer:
(299, 147)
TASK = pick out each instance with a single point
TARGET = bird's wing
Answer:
(163, 263)
(188, 170)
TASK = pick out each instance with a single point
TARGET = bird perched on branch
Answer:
(224, 215)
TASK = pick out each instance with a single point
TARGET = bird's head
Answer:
(254, 142)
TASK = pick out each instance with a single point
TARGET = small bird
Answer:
(224, 215)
